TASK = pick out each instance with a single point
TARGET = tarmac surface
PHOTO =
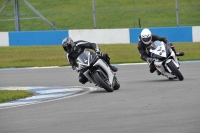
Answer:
(145, 103)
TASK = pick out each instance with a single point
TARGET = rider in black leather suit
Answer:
(144, 44)
(74, 49)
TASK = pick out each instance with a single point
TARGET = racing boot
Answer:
(152, 68)
(107, 59)
(113, 68)
(180, 54)
(158, 72)
(177, 53)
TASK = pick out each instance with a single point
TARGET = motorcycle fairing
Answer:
(106, 68)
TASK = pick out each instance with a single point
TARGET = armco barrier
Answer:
(174, 34)
(100, 36)
(4, 39)
(28, 38)
(196, 33)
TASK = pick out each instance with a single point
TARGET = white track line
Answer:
(45, 94)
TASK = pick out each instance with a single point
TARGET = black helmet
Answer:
(67, 44)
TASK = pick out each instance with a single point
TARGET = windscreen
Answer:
(83, 58)
(86, 58)
(156, 44)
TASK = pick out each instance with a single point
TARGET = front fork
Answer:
(174, 61)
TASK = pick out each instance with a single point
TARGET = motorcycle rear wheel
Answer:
(175, 70)
(102, 81)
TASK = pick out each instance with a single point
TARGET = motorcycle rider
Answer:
(145, 40)
(75, 48)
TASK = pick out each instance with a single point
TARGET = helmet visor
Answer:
(148, 39)
(68, 48)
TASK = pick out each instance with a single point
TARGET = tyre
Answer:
(116, 84)
(102, 81)
(175, 70)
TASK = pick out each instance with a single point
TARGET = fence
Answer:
(30, 15)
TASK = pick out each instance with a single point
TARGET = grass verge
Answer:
(11, 95)
(41, 56)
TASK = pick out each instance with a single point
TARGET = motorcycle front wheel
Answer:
(175, 70)
(116, 84)
(102, 81)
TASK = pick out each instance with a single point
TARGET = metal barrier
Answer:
(99, 36)
(96, 14)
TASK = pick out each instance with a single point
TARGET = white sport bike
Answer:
(165, 60)
(97, 71)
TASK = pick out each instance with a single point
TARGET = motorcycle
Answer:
(165, 60)
(97, 71)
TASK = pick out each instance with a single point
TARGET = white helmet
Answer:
(146, 36)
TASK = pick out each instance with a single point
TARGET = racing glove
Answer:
(73, 67)
(149, 60)
(98, 52)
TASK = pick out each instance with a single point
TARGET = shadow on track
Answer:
(99, 91)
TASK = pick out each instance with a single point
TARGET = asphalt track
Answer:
(145, 103)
